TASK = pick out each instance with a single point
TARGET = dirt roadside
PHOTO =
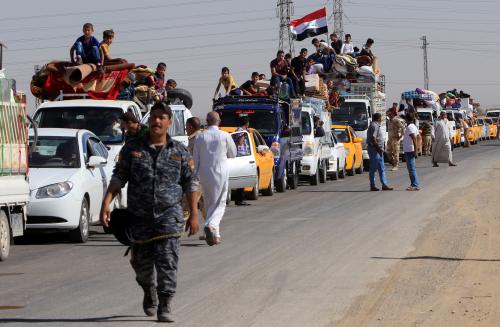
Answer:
(453, 276)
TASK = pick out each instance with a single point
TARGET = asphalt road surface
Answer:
(294, 259)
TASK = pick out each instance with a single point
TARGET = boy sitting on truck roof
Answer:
(227, 80)
(86, 48)
(107, 39)
(279, 71)
(250, 87)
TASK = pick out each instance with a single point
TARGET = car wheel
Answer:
(366, 164)
(350, 172)
(281, 183)
(322, 172)
(335, 175)
(293, 180)
(314, 179)
(81, 233)
(4, 236)
(360, 169)
(342, 172)
(269, 191)
(254, 194)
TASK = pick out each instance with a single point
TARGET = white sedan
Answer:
(69, 174)
(336, 162)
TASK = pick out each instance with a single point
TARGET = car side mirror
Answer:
(262, 148)
(358, 140)
(96, 161)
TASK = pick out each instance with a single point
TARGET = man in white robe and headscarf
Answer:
(210, 153)
(441, 147)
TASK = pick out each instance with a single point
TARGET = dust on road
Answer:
(452, 278)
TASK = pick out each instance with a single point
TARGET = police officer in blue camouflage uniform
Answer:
(158, 170)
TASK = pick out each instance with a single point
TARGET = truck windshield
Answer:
(55, 152)
(103, 122)
(493, 114)
(354, 114)
(306, 123)
(265, 121)
(423, 116)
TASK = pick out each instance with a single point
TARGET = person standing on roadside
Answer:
(211, 150)
(410, 151)
(158, 171)
(375, 142)
(441, 148)
(239, 196)
(396, 129)
(426, 137)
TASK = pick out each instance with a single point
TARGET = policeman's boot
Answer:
(164, 310)
(150, 301)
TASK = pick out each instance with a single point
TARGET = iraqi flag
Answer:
(309, 25)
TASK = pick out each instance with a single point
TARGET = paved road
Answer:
(295, 259)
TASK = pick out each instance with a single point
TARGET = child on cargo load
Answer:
(107, 39)
(227, 80)
(86, 50)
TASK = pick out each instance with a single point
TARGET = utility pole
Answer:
(284, 11)
(426, 66)
(338, 13)
(1, 54)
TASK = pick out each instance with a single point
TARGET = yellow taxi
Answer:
(493, 127)
(352, 145)
(264, 160)
(474, 131)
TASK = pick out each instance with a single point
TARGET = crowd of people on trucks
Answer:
(290, 75)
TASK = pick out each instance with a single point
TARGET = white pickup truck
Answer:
(317, 153)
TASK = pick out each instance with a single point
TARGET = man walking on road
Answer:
(396, 128)
(211, 150)
(441, 148)
(375, 142)
(410, 150)
(158, 171)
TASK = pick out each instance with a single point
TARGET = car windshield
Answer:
(306, 123)
(103, 122)
(493, 114)
(265, 121)
(55, 152)
(424, 116)
(354, 114)
(341, 135)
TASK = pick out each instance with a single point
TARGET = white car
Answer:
(68, 180)
(242, 168)
(336, 162)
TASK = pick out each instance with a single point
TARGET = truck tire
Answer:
(269, 191)
(4, 236)
(181, 94)
(350, 172)
(322, 172)
(81, 233)
(314, 179)
(293, 179)
(281, 183)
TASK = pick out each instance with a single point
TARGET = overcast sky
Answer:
(198, 37)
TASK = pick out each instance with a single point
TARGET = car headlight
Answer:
(54, 190)
(276, 149)
(308, 148)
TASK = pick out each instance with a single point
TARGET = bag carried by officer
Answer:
(120, 223)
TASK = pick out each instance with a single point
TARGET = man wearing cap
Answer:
(158, 170)
(396, 129)
(132, 126)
